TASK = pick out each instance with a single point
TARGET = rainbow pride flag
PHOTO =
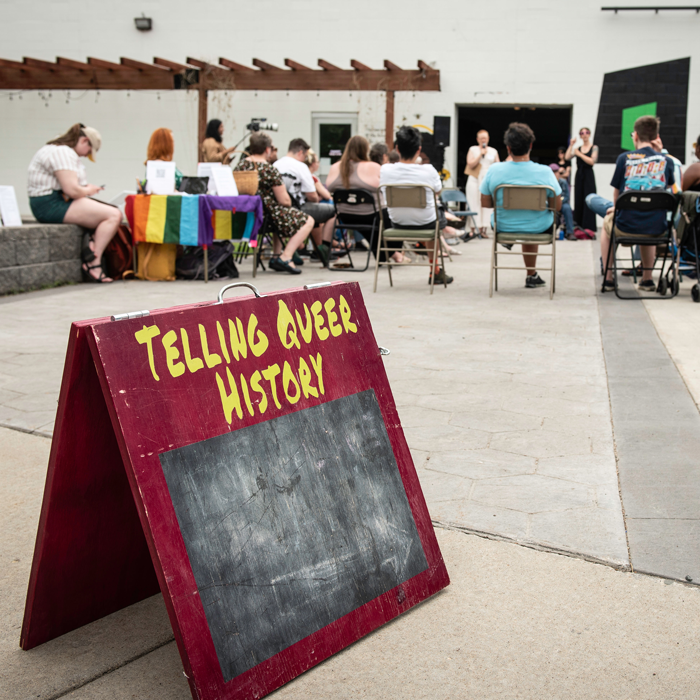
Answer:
(165, 219)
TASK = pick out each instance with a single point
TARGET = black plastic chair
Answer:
(644, 201)
(367, 224)
(455, 195)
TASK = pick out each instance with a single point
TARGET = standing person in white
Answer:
(479, 159)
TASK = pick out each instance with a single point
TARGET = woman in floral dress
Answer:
(287, 221)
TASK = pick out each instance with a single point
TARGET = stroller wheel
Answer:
(695, 293)
(662, 288)
(675, 285)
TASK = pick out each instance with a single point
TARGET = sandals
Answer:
(86, 253)
(280, 265)
(89, 277)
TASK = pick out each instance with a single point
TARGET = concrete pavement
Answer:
(506, 407)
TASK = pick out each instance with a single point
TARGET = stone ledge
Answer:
(39, 255)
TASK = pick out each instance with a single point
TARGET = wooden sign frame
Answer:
(135, 390)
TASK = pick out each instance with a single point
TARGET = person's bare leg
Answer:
(96, 215)
(317, 234)
(648, 254)
(530, 258)
(276, 244)
(328, 228)
(604, 252)
(296, 240)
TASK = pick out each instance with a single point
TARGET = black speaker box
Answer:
(441, 131)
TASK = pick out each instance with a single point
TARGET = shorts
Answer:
(319, 212)
(50, 208)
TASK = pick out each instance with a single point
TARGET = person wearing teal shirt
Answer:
(521, 171)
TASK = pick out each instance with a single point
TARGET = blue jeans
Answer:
(598, 204)
(568, 217)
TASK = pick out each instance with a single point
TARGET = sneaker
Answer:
(507, 246)
(646, 286)
(534, 281)
(280, 265)
(441, 278)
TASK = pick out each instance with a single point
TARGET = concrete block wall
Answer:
(38, 255)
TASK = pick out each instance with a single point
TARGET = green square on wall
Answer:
(629, 117)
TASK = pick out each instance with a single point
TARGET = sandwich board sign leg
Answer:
(246, 457)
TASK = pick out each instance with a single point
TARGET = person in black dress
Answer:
(584, 184)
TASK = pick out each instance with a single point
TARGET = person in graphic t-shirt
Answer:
(642, 169)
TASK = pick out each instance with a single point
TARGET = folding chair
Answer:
(449, 195)
(527, 198)
(644, 201)
(408, 196)
(367, 224)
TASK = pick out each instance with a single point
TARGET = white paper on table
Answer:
(9, 209)
(160, 177)
(207, 170)
(225, 184)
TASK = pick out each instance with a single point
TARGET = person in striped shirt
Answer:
(59, 193)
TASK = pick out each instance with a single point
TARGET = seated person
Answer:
(161, 146)
(313, 164)
(645, 168)
(691, 177)
(379, 153)
(520, 170)
(302, 190)
(59, 193)
(564, 165)
(277, 203)
(567, 214)
(409, 171)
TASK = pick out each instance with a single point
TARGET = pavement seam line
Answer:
(112, 669)
(27, 431)
(529, 544)
(612, 419)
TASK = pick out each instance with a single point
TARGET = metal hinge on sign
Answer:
(130, 315)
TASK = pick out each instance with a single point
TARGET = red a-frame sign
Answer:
(246, 458)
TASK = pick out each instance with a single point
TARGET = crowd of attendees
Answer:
(299, 207)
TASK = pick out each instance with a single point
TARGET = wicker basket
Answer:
(246, 181)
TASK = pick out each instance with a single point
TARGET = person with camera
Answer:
(287, 221)
(213, 149)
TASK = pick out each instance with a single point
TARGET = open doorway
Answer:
(551, 124)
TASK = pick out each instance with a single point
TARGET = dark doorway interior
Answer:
(552, 127)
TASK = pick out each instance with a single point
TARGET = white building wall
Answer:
(499, 52)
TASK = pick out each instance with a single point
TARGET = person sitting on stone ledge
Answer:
(59, 193)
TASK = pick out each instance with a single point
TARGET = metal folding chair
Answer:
(450, 195)
(367, 224)
(528, 198)
(408, 196)
(644, 201)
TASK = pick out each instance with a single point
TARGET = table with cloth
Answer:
(194, 220)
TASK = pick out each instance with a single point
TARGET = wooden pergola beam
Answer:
(265, 66)
(106, 65)
(70, 63)
(359, 66)
(294, 65)
(327, 66)
(177, 67)
(45, 65)
(147, 67)
(236, 66)
(391, 66)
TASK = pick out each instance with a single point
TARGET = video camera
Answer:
(257, 123)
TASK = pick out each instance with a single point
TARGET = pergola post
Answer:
(389, 125)
(201, 118)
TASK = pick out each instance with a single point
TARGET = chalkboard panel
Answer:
(292, 523)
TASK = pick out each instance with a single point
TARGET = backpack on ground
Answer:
(118, 257)
(156, 261)
(190, 263)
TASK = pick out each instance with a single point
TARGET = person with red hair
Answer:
(162, 147)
